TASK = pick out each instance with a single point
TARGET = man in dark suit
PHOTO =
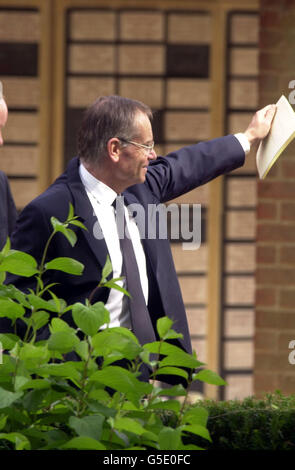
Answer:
(116, 156)
(8, 212)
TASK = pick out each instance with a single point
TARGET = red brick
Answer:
(269, 61)
(267, 319)
(288, 18)
(287, 300)
(275, 276)
(266, 361)
(284, 340)
(288, 168)
(276, 190)
(270, 40)
(288, 211)
(264, 383)
(270, 18)
(265, 297)
(288, 4)
(267, 5)
(265, 254)
(287, 254)
(267, 210)
(269, 83)
(275, 233)
(266, 340)
(287, 381)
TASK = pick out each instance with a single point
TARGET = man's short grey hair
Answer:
(109, 116)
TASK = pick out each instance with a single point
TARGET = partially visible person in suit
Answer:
(116, 156)
(8, 211)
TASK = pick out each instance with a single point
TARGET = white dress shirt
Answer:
(101, 198)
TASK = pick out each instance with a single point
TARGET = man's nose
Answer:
(152, 155)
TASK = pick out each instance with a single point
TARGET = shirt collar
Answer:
(101, 192)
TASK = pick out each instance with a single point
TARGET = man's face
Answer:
(3, 118)
(134, 160)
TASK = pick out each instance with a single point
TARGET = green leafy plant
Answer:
(48, 402)
(265, 423)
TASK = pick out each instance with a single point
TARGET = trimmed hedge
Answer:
(250, 424)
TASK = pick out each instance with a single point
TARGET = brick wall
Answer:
(275, 254)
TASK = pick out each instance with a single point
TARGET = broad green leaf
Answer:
(169, 439)
(97, 407)
(63, 341)
(19, 382)
(6, 248)
(83, 443)
(113, 285)
(40, 304)
(54, 438)
(78, 223)
(67, 265)
(196, 415)
(125, 332)
(198, 430)
(8, 340)
(39, 319)
(10, 309)
(34, 355)
(88, 426)
(90, 319)
(2, 277)
(3, 419)
(66, 370)
(109, 343)
(18, 295)
(129, 424)
(19, 263)
(57, 324)
(163, 326)
(176, 390)
(37, 384)
(172, 334)
(36, 399)
(190, 447)
(209, 377)
(7, 398)
(172, 371)
(180, 359)
(173, 405)
(71, 211)
(67, 232)
(19, 440)
(175, 355)
(82, 350)
(59, 304)
(107, 269)
(122, 381)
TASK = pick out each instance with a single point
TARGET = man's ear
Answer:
(114, 148)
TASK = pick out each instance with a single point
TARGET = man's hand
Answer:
(260, 125)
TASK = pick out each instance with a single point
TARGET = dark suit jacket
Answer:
(166, 178)
(8, 212)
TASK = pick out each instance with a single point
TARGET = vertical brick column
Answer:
(275, 256)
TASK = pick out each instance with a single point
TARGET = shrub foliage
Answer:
(48, 402)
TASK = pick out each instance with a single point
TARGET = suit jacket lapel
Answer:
(84, 210)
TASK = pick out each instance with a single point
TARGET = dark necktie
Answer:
(141, 323)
